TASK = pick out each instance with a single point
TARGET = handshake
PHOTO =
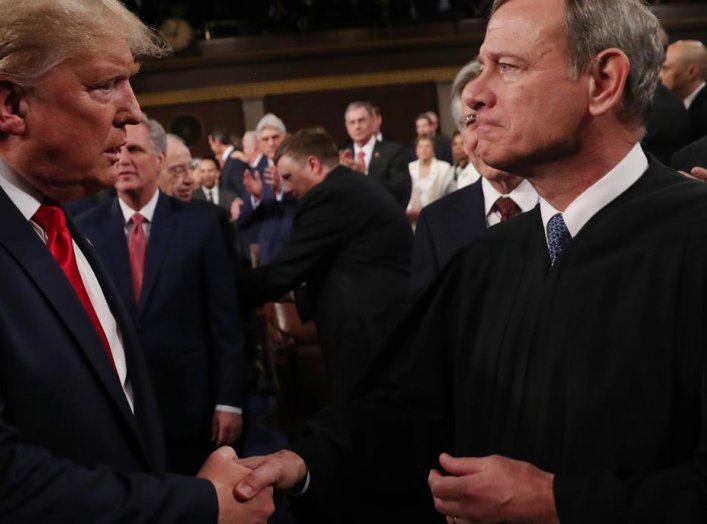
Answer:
(244, 487)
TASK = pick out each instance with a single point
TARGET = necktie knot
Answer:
(558, 237)
(137, 219)
(51, 217)
(507, 207)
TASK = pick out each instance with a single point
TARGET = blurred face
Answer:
(138, 166)
(423, 127)
(359, 125)
(251, 148)
(529, 112)
(301, 176)
(270, 140)
(458, 152)
(175, 178)
(207, 173)
(74, 124)
(424, 149)
(674, 73)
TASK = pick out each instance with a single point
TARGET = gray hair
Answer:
(357, 105)
(37, 36)
(594, 25)
(466, 74)
(270, 120)
(158, 136)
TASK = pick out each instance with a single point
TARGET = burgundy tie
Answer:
(137, 245)
(507, 207)
(52, 219)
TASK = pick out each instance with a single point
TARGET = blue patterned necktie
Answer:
(558, 237)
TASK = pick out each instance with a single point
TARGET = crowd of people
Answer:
(511, 318)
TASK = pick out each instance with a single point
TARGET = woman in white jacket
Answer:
(431, 178)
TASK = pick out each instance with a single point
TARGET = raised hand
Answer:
(253, 183)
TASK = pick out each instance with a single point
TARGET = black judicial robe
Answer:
(594, 369)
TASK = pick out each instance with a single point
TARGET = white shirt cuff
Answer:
(229, 409)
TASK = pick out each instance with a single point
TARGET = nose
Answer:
(129, 112)
(124, 156)
(476, 93)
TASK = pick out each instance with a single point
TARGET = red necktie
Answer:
(52, 219)
(507, 207)
(137, 244)
(362, 159)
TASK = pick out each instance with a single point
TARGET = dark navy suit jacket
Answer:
(70, 447)
(443, 228)
(187, 316)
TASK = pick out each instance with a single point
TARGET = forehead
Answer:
(207, 163)
(177, 152)
(528, 29)
(357, 113)
(138, 135)
(270, 132)
(116, 63)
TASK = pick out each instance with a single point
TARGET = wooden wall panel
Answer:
(193, 121)
(400, 104)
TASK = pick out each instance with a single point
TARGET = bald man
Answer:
(683, 72)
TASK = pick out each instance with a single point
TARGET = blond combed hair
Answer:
(38, 35)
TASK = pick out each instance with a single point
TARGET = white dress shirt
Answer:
(214, 193)
(599, 194)
(367, 150)
(468, 176)
(28, 199)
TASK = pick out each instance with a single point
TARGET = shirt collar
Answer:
(524, 195)
(227, 153)
(147, 211)
(25, 197)
(691, 97)
(599, 194)
(367, 147)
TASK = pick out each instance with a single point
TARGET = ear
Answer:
(608, 75)
(13, 108)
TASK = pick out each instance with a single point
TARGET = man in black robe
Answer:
(562, 357)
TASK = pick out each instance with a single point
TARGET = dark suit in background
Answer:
(698, 114)
(389, 167)
(186, 318)
(65, 425)
(669, 127)
(351, 244)
(443, 228)
(692, 155)
(231, 176)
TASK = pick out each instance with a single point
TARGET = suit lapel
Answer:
(163, 224)
(23, 243)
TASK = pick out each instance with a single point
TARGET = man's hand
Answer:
(492, 489)
(273, 179)
(236, 209)
(226, 427)
(699, 172)
(282, 470)
(346, 159)
(253, 183)
(223, 470)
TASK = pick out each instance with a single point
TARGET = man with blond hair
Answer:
(80, 438)
(557, 370)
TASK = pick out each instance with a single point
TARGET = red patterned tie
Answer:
(507, 207)
(52, 219)
(137, 244)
